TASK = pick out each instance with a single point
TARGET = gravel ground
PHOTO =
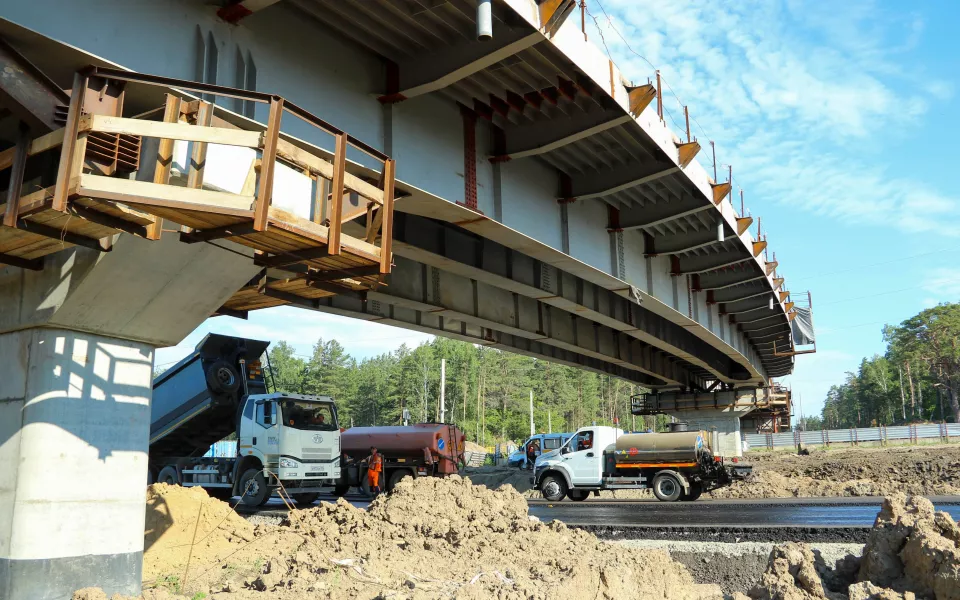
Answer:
(734, 567)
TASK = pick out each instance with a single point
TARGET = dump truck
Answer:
(421, 450)
(284, 440)
(678, 465)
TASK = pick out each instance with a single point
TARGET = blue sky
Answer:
(839, 119)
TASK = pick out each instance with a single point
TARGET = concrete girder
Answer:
(728, 278)
(691, 265)
(28, 93)
(436, 70)
(540, 137)
(610, 181)
(649, 215)
(678, 244)
(452, 249)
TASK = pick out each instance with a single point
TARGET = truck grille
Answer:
(317, 454)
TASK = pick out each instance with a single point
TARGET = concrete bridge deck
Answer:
(542, 206)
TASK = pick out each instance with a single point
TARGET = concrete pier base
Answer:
(74, 425)
(726, 422)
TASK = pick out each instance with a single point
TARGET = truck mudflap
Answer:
(738, 471)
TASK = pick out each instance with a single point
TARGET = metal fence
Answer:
(907, 433)
(223, 449)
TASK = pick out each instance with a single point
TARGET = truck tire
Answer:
(222, 378)
(220, 493)
(253, 488)
(578, 495)
(305, 499)
(396, 477)
(168, 474)
(696, 488)
(553, 488)
(340, 490)
(667, 488)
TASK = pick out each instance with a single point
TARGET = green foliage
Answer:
(486, 394)
(917, 379)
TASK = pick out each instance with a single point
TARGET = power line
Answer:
(879, 264)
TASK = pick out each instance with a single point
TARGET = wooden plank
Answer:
(121, 211)
(216, 233)
(69, 147)
(292, 223)
(171, 130)
(261, 207)
(336, 192)
(107, 220)
(41, 144)
(35, 264)
(161, 175)
(386, 236)
(61, 235)
(198, 154)
(146, 194)
(324, 168)
(15, 187)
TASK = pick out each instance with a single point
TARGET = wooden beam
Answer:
(62, 235)
(71, 145)
(161, 173)
(306, 161)
(43, 143)
(758, 247)
(198, 155)
(216, 233)
(106, 220)
(155, 194)
(15, 187)
(336, 193)
(720, 191)
(172, 130)
(33, 264)
(223, 311)
(334, 288)
(290, 258)
(261, 207)
(688, 152)
(386, 227)
(335, 275)
(743, 224)
(640, 97)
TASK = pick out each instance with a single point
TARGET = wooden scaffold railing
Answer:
(107, 183)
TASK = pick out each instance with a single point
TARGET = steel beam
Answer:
(610, 181)
(690, 265)
(728, 278)
(540, 137)
(686, 242)
(438, 69)
(29, 94)
(649, 215)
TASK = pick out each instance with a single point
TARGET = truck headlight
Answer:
(288, 463)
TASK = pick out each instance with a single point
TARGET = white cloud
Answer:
(799, 97)
(944, 284)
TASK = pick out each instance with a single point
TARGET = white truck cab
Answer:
(577, 466)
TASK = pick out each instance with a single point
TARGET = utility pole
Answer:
(549, 422)
(443, 385)
(532, 431)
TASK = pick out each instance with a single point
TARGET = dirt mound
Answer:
(474, 447)
(495, 478)
(791, 575)
(430, 538)
(850, 472)
(180, 516)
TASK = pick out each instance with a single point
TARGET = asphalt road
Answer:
(768, 513)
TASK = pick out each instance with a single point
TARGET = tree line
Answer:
(916, 380)
(487, 391)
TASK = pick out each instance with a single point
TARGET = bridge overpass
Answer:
(374, 159)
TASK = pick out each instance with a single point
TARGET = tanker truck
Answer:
(421, 450)
(677, 466)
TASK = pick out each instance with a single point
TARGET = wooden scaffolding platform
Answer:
(103, 189)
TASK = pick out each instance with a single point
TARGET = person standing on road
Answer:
(532, 448)
(374, 468)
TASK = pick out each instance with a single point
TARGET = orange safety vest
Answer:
(376, 464)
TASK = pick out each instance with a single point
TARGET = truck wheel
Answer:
(667, 488)
(553, 488)
(220, 493)
(578, 495)
(168, 474)
(253, 487)
(305, 499)
(340, 490)
(696, 488)
(223, 378)
(396, 477)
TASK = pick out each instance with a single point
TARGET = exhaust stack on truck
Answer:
(677, 466)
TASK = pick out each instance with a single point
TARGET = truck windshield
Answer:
(313, 416)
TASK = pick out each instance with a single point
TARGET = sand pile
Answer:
(913, 552)
(176, 516)
(431, 538)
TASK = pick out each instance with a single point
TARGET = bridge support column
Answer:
(725, 421)
(74, 428)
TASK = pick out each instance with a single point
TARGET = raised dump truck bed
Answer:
(196, 402)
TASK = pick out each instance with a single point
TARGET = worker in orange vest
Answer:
(374, 468)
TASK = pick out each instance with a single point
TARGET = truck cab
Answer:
(576, 468)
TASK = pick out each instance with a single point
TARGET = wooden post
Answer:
(261, 206)
(320, 200)
(336, 193)
(71, 145)
(198, 156)
(386, 236)
(16, 177)
(171, 114)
